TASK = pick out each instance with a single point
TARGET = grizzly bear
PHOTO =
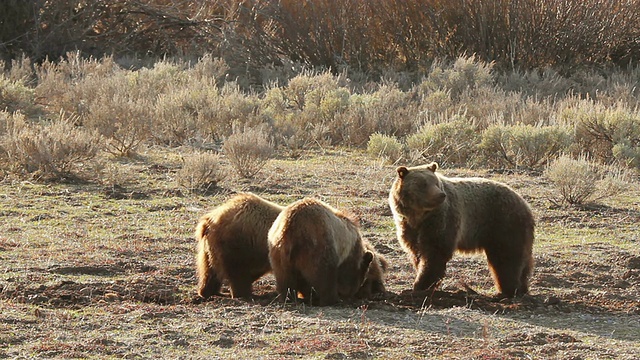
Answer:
(232, 244)
(317, 252)
(436, 215)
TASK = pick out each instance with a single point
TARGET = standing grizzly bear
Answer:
(436, 215)
(232, 244)
(317, 251)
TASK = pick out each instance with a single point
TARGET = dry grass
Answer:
(92, 271)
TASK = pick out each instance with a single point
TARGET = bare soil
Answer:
(88, 271)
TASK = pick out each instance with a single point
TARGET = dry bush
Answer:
(115, 102)
(581, 180)
(176, 115)
(55, 150)
(488, 105)
(454, 141)
(123, 121)
(536, 112)
(21, 69)
(231, 106)
(385, 147)
(523, 145)
(51, 28)
(200, 172)
(466, 73)
(542, 83)
(600, 130)
(69, 83)
(311, 87)
(388, 110)
(16, 96)
(438, 102)
(120, 106)
(248, 150)
(208, 70)
(308, 110)
(113, 174)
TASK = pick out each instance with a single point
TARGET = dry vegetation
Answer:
(107, 162)
(96, 271)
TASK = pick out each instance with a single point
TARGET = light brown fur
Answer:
(233, 245)
(436, 215)
(316, 251)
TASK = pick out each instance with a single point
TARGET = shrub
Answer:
(523, 145)
(388, 110)
(248, 151)
(489, 105)
(385, 147)
(465, 73)
(437, 102)
(183, 114)
(627, 153)
(495, 146)
(200, 172)
(231, 106)
(600, 129)
(15, 96)
(451, 142)
(208, 70)
(55, 149)
(580, 180)
(124, 122)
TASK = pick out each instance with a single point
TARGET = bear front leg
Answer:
(430, 274)
(241, 287)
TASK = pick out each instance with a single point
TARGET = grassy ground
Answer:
(88, 271)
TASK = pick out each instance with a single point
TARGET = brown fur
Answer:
(375, 278)
(232, 244)
(318, 252)
(436, 215)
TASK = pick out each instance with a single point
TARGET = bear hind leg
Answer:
(285, 285)
(324, 283)
(209, 282)
(508, 274)
(241, 287)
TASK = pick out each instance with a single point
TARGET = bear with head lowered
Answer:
(317, 252)
(436, 215)
(233, 246)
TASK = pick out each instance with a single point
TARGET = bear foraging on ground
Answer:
(316, 251)
(436, 215)
(374, 280)
(233, 245)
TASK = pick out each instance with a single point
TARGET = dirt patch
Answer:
(119, 267)
(71, 294)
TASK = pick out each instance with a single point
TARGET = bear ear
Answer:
(402, 171)
(433, 166)
(366, 259)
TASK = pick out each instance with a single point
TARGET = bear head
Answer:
(351, 281)
(374, 281)
(416, 191)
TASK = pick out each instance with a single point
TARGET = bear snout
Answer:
(440, 197)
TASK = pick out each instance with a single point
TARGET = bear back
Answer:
(292, 228)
